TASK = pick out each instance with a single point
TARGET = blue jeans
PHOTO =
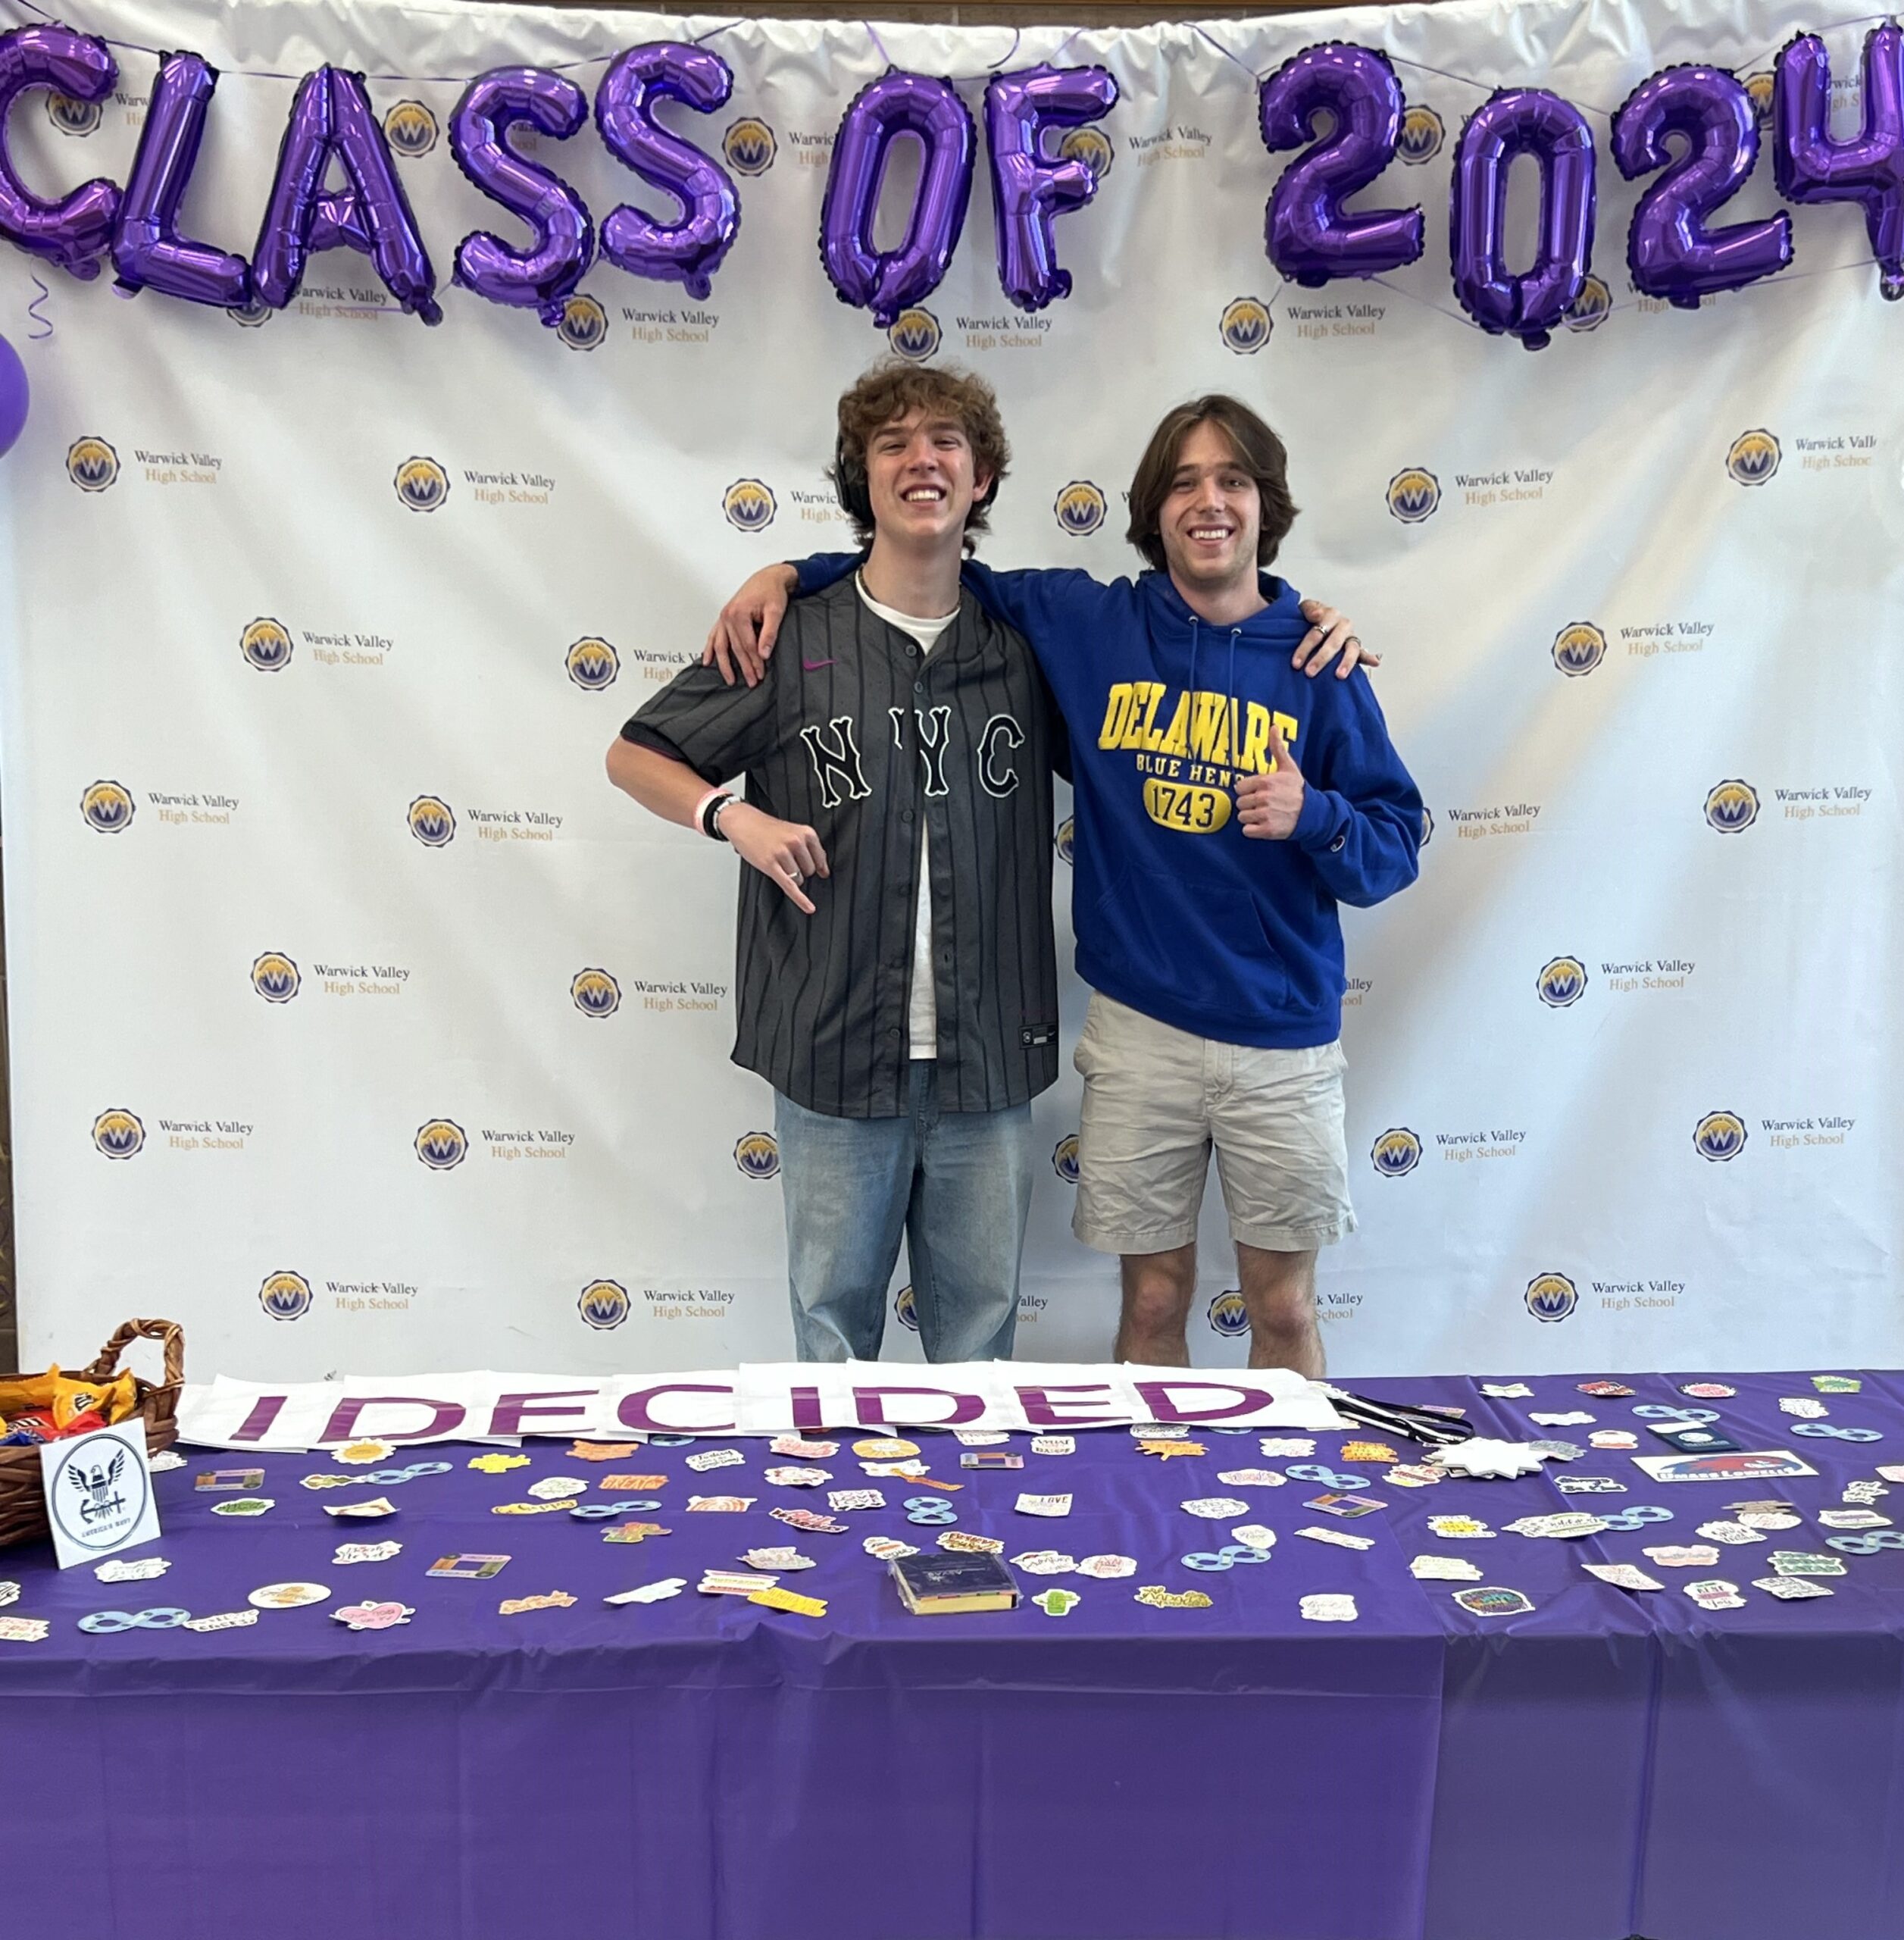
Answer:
(958, 1184)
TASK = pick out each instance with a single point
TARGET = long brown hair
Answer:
(1258, 451)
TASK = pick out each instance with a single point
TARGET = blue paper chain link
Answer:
(1314, 1472)
(105, 1623)
(1830, 1431)
(929, 1511)
(1868, 1542)
(1222, 1558)
(1637, 1517)
(1656, 1411)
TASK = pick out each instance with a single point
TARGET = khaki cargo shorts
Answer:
(1157, 1100)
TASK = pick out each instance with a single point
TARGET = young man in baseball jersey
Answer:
(1210, 858)
(897, 980)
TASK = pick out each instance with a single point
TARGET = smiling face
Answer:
(922, 479)
(1211, 514)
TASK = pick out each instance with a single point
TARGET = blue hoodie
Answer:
(1177, 913)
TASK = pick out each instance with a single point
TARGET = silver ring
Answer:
(797, 878)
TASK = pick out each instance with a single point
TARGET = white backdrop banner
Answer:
(357, 1022)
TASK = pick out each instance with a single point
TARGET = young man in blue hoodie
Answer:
(1224, 807)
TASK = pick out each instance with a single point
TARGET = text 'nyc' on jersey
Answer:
(852, 732)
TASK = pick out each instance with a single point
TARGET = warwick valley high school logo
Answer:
(1079, 508)
(1063, 1158)
(410, 130)
(1413, 494)
(266, 646)
(1227, 1316)
(1561, 982)
(750, 146)
(1421, 136)
(118, 1134)
(432, 822)
(108, 809)
(915, 335)
(91, 464)
(757, 1155)
(584, 324)
(1551, 1296)
(441, 1144)
(1719, 1136)
(275, 977)
(1753, 457)
(285, 1296)
(1579, 649)
(603, 1304)
(1397, 1153)
(1592, 307)
(1245, 325)
(422, 484)
(71, 116)
(748, 504)
(1732, 807)
(593, 664)
(1091, 146)
(595, 993)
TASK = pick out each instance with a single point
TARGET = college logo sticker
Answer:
(748, 504)
(91, 464)
(1551, 1296)
(285, 1296)
(1063, 1158)
(1397, 1153)
(74, 116)
(432, 822)
(1079, 508)
(750, 146)
(906, 1309)
(1719, 1136)
(593, 664)
(603, 1305)
(1579, 649)
(1592, 307)
(274, 977)
(1732, 806)
(757, 1154)
(1413, 494)
(441, 1144)
(267, 646)
(1753, 457)
(422, 484)
(1561, 982)
(1421, 136)
(584, 324)
(118, 1134)
(109, 808)
(1091, 146)
(914, 336)
(1245, 325)
(1227, 1315)
(410, 130)
(595, 993)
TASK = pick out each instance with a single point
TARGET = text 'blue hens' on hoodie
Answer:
(1177, 913)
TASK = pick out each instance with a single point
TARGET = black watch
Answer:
(711, 815)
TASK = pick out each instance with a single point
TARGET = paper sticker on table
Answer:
(964, 1540)
(28, 1629)
(1044, 1562)
(1803, 1406)
(1682, 1556)
(777, 1560)
(1043, 1505)
(1853, 1518)
(790, 1600)
(1569, 1525)
(499, 1464)
(556, 1488)
(1493, 1601)
(1729, 1532)
(1158, 1598)
(856, 1498)
(979, 1437)
(1054, 1444)
(1251, 1478)
(1413, 1474)
(1341, 1538)
(1837, 1383)
(715, 1458)
(1788, 1589)
(1714, 1592)
(122, 1571)
(374, 1616)
(228, 1619)
(1807, 1563)
(348, 1552)
(1589, 1485)
(725, 1505)
(886, 1548)
(551, 1600)
(1329, 1607)
(885, 1448)
(98, 1490)
(288, 1596)
(1755, 1465)
(1107, 1568)
(1606, 1390)
(1623, 1575)
(369, 1512)
(809, 1519)
(623, 1482)
(1166, 1451)
(363, 1454)
(1333, 1504)
(236, 1479)
(1285, 1447)
(165, 1461)
(1707, 1391)
(650, 1593)
(1507, 1390)
(1457, 1527)
(1057, 1602)
(1614, 1437)
(1214, 1508)
(634, 1532)
(475, 1568)
(990, 1458)
(602, 1451)
(1444, 1570)
(1572, 1418)
(1257, 1535)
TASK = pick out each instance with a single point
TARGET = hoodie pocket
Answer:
(1195, 942)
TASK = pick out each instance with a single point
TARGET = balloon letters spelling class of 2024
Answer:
(1340, 106)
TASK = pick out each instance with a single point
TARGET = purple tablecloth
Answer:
(701, 1769)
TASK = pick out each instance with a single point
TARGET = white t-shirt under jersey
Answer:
(922, 1011)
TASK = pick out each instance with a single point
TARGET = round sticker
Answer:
(97, 1490)
(878, 1450)
(1707, 1391)
(288, 1596)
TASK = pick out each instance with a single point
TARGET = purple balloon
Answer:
(331, 117)
(1670, 250)
(1522, 121)
(148, 252)
(543, 276)
(1810, 167)
(13, 397)
(1310, 238)
(688, 251)
(1029, 192)
(76, 230)
(887, 281)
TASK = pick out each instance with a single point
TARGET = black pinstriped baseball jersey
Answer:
(850, 733)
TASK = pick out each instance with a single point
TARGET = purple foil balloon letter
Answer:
(331, 119)
(541, 276)
(1028, 191)
(1810, 166)
(1522, 121)
(148, 252)
(1309, 237)
(890, 280)
(75, 231)
(688, 251)
(1670, 250)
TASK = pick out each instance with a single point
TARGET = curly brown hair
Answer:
(1258, 451)
(890, 390)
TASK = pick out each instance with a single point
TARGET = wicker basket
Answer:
(22, 1500)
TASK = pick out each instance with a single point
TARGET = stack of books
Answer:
(945, 1585)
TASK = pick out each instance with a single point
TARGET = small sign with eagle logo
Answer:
(98, 1494)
